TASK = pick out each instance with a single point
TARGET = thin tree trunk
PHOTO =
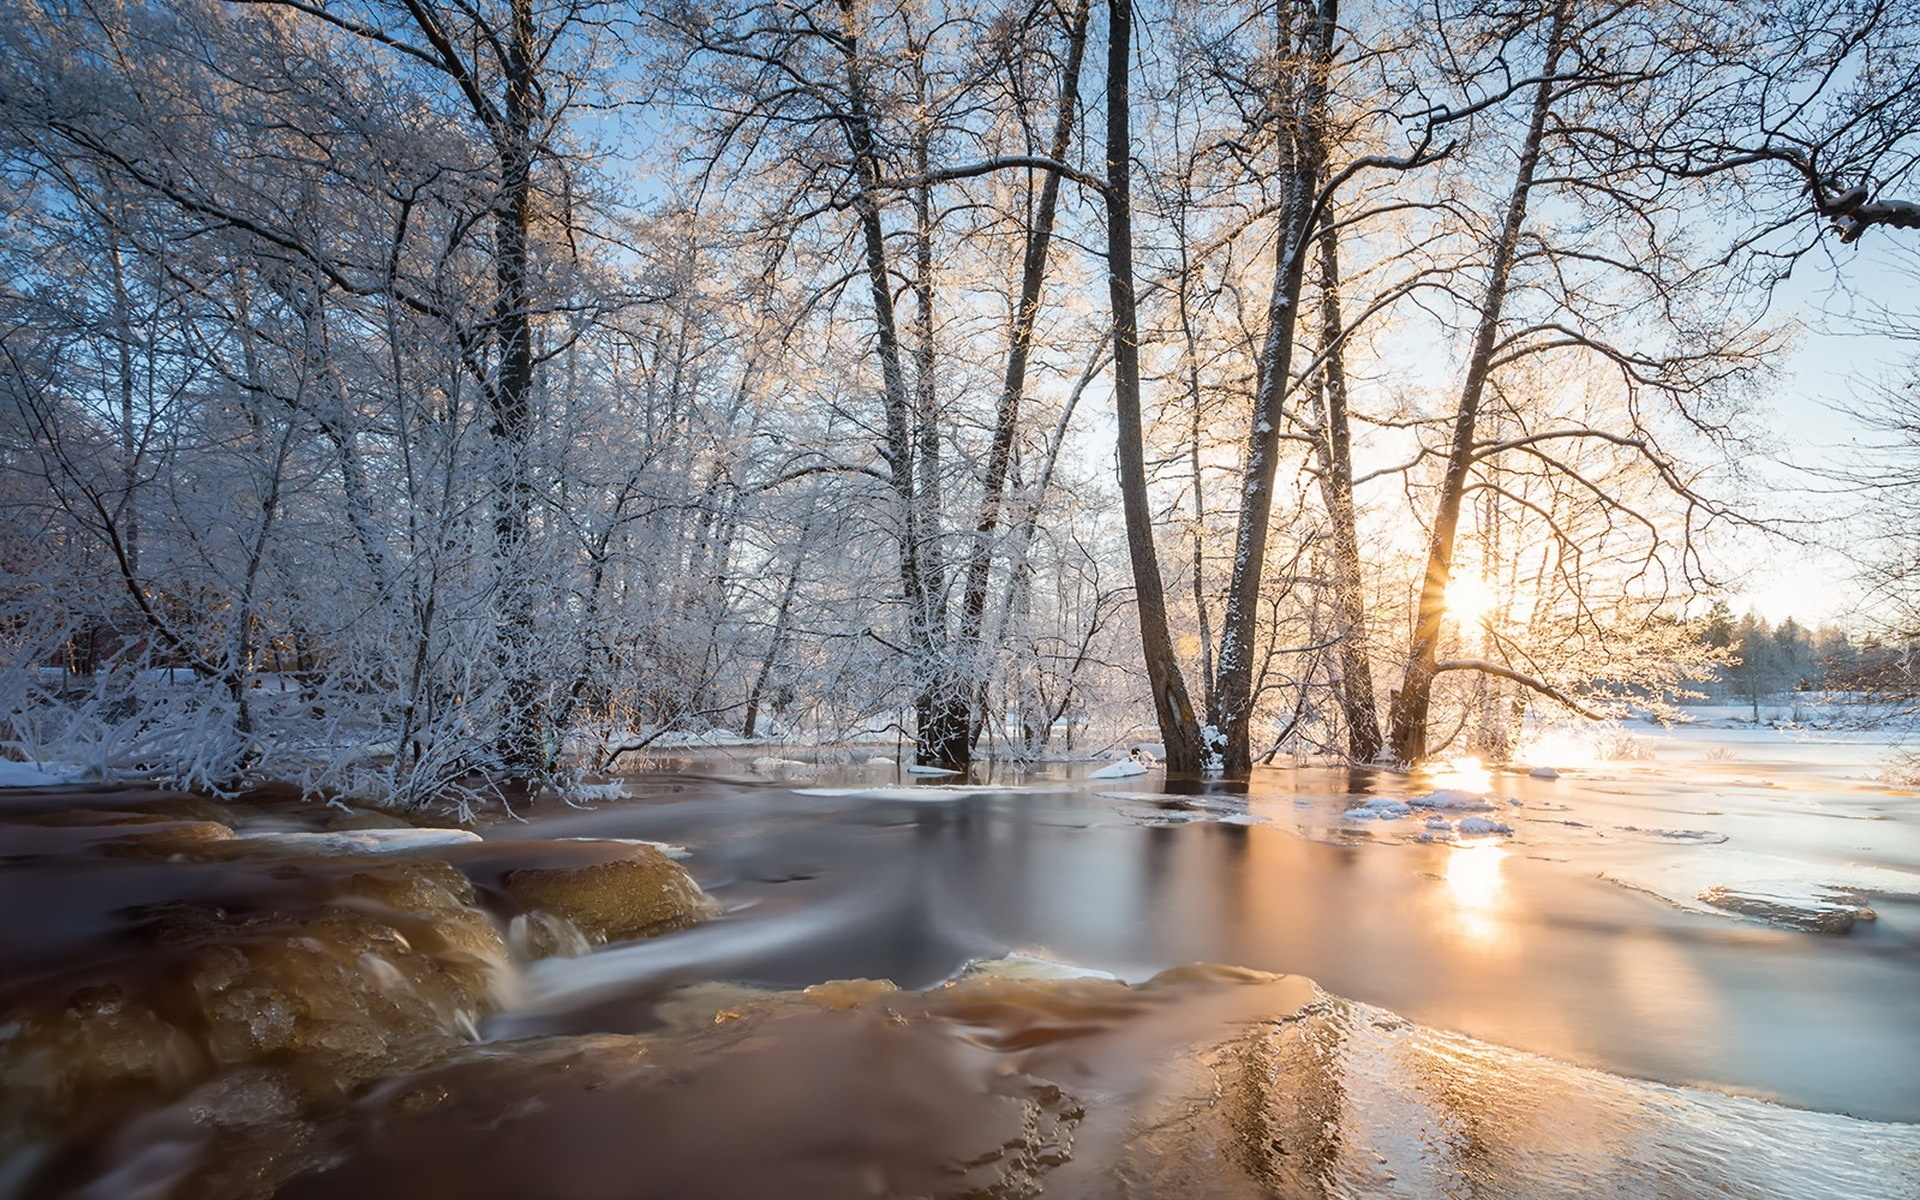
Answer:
(1178, 729)
(1411, 704)
(1334, 446)
(1307, 155)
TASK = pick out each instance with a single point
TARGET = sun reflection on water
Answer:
(1474, 883)
(1466, 773)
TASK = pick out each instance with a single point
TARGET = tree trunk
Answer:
(1334, 446)
(1174, 711)
(1306, 154)
(1409, 716)
(523, 745)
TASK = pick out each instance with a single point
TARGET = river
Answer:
(1690, 971)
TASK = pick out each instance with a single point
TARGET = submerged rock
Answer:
(1205, 1081)
(1380, 808)
(389, 967)
(1482, 827)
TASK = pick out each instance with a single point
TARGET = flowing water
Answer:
(1693, 974)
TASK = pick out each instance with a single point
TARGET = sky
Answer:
(1843, 299)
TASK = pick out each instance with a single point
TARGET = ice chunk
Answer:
(1126, 768)
(917, 769)
(1544, 773)
(781, 768)
(1438, 822)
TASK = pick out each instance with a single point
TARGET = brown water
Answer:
(1625, 998)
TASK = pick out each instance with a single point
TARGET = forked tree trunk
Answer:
(1306, 163)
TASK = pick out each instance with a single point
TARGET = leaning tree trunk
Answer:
(1408, 736)
(1233, 690)
(1171, 707)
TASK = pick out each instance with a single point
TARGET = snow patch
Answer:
(666, 848)
(35, 775)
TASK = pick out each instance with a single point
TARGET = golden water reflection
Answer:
(1474, 882)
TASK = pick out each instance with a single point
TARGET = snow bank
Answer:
(32, 775)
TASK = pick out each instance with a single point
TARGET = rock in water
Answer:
(641, 894)
(1454, 800)
(1380, 808)
(1482, 826)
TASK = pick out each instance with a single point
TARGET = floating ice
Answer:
(1126, 768)
(1544, 773)
(917, 769)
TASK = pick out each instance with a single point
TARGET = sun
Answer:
(1469, 600)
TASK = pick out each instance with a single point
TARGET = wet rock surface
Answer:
(610, 892)
(1203, 1081)
(178, 976)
